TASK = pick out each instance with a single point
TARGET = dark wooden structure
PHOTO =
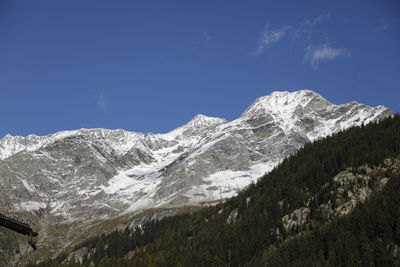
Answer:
(18, 227)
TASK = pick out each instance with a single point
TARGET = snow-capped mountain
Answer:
(98, 173)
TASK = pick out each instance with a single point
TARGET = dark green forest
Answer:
(368, 236)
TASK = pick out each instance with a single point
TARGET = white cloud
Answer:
(101, 102)
(268, 37)
(383, 25)
(303, 34)
(308, 28)
(318, 19)
(302, 30)
(317, 54)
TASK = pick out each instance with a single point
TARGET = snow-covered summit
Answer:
(119, 140)
(202, 122)
(284, 102)
(308, 113)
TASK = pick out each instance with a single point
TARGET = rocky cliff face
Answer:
(98, 173)
(348, 189)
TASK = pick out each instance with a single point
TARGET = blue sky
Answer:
(151, 66)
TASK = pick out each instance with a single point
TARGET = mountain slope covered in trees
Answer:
(333, 203)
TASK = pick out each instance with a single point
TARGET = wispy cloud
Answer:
(317, 54)
(383, 25)
(101, 102)
(304, 34)
(309, 27)
(269, 36)
(319, 19)
(303, 30)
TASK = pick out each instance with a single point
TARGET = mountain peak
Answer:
(202, 121)
(8, 136)
(284, 102)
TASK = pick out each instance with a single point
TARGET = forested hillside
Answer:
(333, 203)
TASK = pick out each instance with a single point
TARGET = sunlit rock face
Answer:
(99, 173)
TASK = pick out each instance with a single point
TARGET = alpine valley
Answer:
(72, 185)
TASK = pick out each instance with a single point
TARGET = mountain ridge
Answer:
(276, 95)
(106, 172)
